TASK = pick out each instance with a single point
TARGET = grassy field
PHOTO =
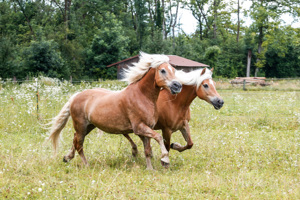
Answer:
(250, 149)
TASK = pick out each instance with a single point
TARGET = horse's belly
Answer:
(113, 126)
(115, 130)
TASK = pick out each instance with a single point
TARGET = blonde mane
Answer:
(147, 61)
(193, 77)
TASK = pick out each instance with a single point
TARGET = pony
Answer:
(174, 111)
(132, 109)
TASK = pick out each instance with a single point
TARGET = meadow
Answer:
(250, 149)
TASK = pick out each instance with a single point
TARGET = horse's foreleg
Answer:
(133, 145)
(167, 138)
(144, 130)
(185, 131)
(148, 151)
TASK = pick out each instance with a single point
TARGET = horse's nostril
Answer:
(220, 101)
(176, 85)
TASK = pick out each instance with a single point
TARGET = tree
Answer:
(108, 46)
(42, 57)
(140, 20)
(197, 8)
(238, 21)
(7, 55)
(249, 46)
(283, 53)
(266, 14)
(211, 55)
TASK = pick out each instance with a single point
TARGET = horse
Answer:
(132, 109)
(174, 111)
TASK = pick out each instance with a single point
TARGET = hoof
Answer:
(65, 159)
(150, 169)
(151, 155)
(165, 162)
(134, 153)
(165, 165)
(176, 146)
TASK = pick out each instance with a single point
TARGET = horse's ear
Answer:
(203, 72)
(212, 69)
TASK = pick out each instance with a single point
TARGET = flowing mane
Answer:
(193, 77)
(147, 61)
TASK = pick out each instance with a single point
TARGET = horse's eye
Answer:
(163, 71)
(205, 86)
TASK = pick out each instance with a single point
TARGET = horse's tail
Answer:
(59, 122)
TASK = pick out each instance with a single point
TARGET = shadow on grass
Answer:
(125, 162)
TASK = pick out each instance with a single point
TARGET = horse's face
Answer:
(165, 78)
(207, 91)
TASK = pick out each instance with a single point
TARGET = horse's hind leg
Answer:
(81, 132)
(71, 153)
(134, 149)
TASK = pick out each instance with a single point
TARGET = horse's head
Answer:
(165, 78)
(164, 72)
(207, 90)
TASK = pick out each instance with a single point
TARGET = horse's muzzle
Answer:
(218, 103)
(175, 87)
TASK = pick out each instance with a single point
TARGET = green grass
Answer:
(250, 149)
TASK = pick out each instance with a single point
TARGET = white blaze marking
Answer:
(212, 83)
(170, 68)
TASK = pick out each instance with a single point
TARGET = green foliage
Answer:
(141, 20)
(7, 55)
(159, 16)
(42, 57)
(156, 44)
(108, 47)
(211, 55)
(85, 36)
(249, 39)
(284, 65)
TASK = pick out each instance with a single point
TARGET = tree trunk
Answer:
(248, 63)
(200, 29)
(66, 16)
(26, 17)
(175, 22)
(215, 18)
(260, 41)
(163, 20)
(238, 27)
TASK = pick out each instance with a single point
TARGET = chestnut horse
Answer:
(132, 109)
(174, 111)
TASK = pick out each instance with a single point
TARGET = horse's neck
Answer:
(186, 96)
(148, 87)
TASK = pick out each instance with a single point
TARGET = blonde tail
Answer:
(59, 122)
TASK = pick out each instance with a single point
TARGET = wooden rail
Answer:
(250, 80)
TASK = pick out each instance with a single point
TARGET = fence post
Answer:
(244, 85)
(37, 98)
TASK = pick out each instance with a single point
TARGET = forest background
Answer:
(78, 39)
